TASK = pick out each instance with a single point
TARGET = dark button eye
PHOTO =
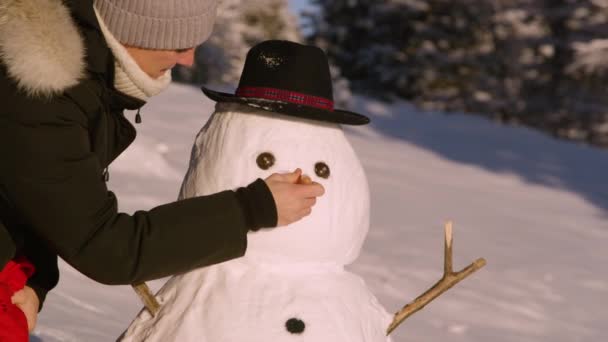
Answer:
(265, 160)
(295, 326)
(322, 170)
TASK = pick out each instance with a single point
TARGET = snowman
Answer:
(291, 285)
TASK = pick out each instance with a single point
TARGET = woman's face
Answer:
(156, 62)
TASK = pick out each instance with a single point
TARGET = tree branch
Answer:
(448, 280)
(150, 302)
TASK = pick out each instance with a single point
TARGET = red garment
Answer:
(13, 324)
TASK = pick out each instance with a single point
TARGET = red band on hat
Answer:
(286, 96)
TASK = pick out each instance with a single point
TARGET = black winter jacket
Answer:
(59, 132)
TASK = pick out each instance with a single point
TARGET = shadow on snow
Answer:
(532, 155)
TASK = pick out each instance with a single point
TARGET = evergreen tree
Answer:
(409, 48)
(536, 62)
(239, 26)
(553, 47)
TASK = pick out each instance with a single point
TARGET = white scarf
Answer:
(128, 76)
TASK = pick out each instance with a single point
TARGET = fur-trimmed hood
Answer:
(41, 46)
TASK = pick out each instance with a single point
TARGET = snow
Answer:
(535, 207)
(271, 61)
(242, 300)
(590, 56)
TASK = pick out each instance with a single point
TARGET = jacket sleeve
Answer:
(56, 186)
(46, 273)
(7, 246)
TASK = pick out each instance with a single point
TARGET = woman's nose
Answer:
(186, 58)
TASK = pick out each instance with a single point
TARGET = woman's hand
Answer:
(27, 300)
(294, 195)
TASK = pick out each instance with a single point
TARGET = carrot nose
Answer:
(304, 179)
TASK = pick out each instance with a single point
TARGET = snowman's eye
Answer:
(265, 160)
(295, 326)
(322, 170)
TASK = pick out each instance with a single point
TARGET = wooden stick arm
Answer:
(150, 302)
(448, 280)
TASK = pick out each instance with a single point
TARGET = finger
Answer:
(31, 321)
(313, 190)
(319, 189)
(305, 212)
(18, 298)
(309, 202)
(30, 313)
(293, 177)
(304, 179)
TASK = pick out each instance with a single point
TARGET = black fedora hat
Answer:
(291, 79)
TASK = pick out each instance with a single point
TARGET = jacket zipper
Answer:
(106, 174)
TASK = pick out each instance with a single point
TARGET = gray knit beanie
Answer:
(159, 24)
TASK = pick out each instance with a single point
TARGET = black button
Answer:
(322, 170)
(295, 326)
(265, 160)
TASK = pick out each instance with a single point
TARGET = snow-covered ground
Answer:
(534, 207)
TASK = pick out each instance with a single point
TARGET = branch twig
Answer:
(449, 279)
(150, 302)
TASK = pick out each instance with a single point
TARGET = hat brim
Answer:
(337, 116)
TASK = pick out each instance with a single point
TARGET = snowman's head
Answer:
(240, 144)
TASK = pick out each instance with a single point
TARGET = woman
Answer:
(68, 70)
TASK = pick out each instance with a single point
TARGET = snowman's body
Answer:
(291, 285)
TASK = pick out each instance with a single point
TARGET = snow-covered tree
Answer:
(562, 88)
(239, 26)
(405, 47)
(591, 57)
(536, 62)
